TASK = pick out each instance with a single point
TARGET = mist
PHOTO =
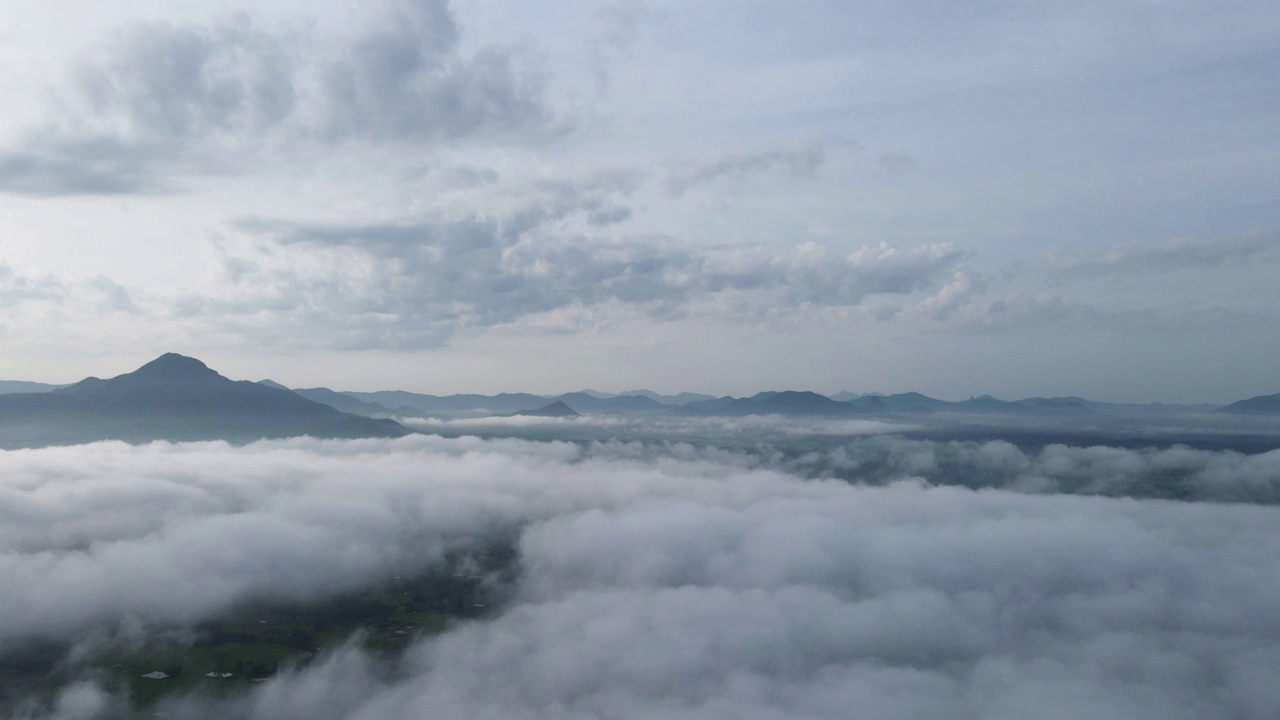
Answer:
(664, 580)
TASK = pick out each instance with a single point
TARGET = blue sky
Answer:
(1008, 198)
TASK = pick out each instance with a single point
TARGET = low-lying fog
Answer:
(869, 575)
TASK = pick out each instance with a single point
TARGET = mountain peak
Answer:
(172, 366)
(555, 409)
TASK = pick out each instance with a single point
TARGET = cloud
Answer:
(659, 586)
(18, 287)
(944, 302)
(1017, 310)
(1173, 256)
(180, 83)
(616, 29)
(86, 166)
(416, 283)
(163, 100)
(170, 534)
(1176, 472)
(406, 81)
(800, 161)
(755, 427)
(36, 300)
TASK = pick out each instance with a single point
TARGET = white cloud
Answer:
(674, 585)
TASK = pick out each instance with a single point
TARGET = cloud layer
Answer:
(672, 584)
(414, 284)
(162, 100)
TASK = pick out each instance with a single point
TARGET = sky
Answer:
(1018, 199)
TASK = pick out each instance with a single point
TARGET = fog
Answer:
(876, 452)
(660, 426)
(673, 580)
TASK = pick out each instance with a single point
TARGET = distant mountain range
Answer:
(180, 398)
(9, 387)
(174, 398)
(401, 403)
(799, 403)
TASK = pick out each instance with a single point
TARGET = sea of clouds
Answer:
(671, 580)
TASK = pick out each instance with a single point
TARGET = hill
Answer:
(344, 402)
(467, 405)
(174, 398)
(555, 409)
(683, 398)
(8, 387)
(617, 405)
(787, 402)
(1261, 405)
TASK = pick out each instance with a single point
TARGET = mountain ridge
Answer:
(1258, 405)
(174, 397)
(176, 368)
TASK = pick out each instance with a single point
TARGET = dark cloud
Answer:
(666, 586)
(162, 93)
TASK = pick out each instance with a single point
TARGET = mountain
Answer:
(344, 402)
(714, 406)
(174, 398)
(791, 402)
(332, 398)
(914, 402)
(683, 398)
(901, 402)
(788, 402)
(618, 405)
(403, 402)
(846, 396)
(555, 409)
(809, 403)
(1056, 405)
(1261, 405)
(8, 387)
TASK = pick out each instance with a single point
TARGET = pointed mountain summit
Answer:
(174, 397)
